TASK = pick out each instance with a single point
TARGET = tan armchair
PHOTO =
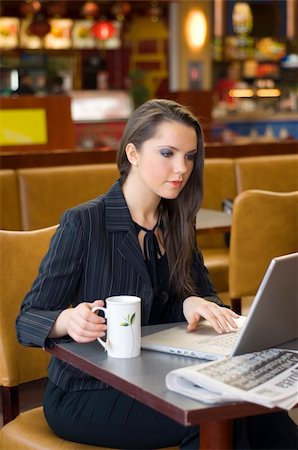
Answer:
(10, 217)
(21, 253)
(20, 256)
(47, 192)
(277, 173)
(264, 225)
(219, 184)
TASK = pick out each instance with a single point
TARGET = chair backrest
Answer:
(219, 184)
(20, 255)
(264, 225)
(10, 216)
(47, 192)
(277, 173)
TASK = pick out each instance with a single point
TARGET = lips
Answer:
(176, 183)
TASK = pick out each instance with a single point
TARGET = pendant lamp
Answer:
(103, 29)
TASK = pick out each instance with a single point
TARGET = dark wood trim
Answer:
(55, 158)
(10, 403)
(62, 157)
(219, 150)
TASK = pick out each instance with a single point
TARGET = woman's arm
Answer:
(56, 285)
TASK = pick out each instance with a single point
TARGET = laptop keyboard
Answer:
(225, 341)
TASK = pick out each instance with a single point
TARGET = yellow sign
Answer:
(23, 126)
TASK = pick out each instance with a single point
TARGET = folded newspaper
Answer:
(268, 378)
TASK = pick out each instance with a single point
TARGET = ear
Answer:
(132, 154)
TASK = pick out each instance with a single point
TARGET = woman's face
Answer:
(165, 162)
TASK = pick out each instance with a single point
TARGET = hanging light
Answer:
(57, 9)
(29, 8)
(103, 29)
(196, 29)
(121, 10)
(39, 26)
(90, 10)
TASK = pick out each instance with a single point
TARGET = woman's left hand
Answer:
(220, 318)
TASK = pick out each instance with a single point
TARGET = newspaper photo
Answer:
(268, 378)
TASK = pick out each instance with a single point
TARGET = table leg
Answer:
(216, 435)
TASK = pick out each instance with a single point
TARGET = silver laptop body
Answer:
(272, 320)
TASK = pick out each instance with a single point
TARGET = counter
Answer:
(256, 125)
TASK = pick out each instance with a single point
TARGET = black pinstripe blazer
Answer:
(94, 254)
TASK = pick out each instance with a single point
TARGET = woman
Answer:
(138, 239)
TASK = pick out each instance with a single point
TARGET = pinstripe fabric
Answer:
(94, 254)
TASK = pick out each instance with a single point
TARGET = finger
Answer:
(215, 324)
(224, 319)
(87, 333)
(233, 313)
(85, 339)
(83, 318)
(193, 323)
(97, 303)
(95, 316)
(214, 315)
(231, 321)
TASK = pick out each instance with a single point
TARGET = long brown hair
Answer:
(177, 215)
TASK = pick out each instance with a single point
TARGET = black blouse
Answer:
(158, 269)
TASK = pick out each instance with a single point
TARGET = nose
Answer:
(180, 165)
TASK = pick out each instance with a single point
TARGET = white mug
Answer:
(123, 315)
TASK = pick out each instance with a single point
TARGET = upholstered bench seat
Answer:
(217, 262)
(30, 431)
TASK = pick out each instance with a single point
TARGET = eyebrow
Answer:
(193, 151)
(176, 149)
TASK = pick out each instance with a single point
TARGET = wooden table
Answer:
(143, 378)
(213, 221)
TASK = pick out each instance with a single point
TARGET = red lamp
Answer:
(120, 10)
(90, 10)
(39, 26)
(29, 9)
(103, 30)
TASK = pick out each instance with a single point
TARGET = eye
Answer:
(166, 153)
(191, 156)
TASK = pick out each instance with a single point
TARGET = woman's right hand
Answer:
(80, 323)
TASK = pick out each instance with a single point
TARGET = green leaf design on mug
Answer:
(128, 322)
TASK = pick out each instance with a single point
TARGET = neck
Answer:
(141, 202)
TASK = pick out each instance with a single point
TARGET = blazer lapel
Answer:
(118, 219)
(130, 250)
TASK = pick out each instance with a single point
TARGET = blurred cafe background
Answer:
(234, 63)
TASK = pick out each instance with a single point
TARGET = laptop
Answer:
(272, 321)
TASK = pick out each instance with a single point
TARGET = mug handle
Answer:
(101, 341)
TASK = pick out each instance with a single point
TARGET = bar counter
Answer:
(249, 124)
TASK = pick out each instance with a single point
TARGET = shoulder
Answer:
(95, 210)
(85, 213)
